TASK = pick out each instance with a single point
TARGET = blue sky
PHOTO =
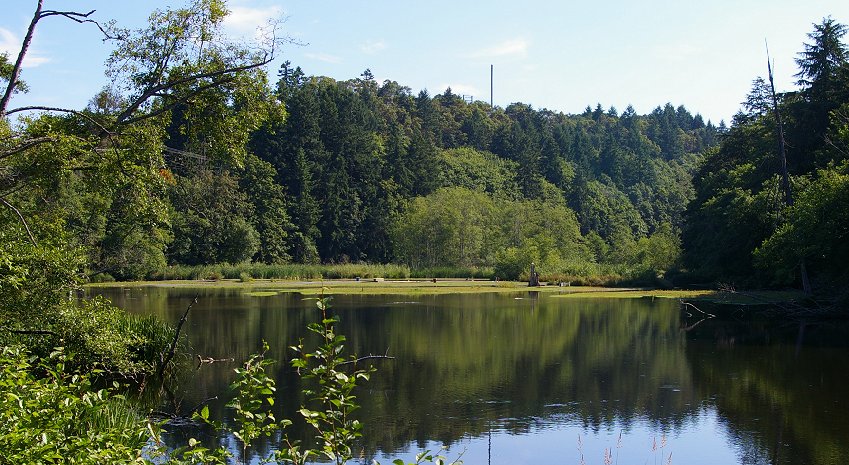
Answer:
(560, 55)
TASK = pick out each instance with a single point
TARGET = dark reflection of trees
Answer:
(464, 363)
(465, 368)
(780, 387)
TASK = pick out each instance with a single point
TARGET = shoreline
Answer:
(271, 287)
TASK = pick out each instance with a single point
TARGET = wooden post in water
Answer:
(533, 279)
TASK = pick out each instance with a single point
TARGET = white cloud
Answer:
(327, 58)
(247, 21)
(12, 45)
(372, 46)
(511, 47)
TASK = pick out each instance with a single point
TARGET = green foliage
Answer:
(479, 171)
(34, 278)
(193, 158)
(661, 251)
(103, 336)
(742, 227)
(332, 420)
(36, 312)
(210, 220)
(49, 414)
(451, 227)
(815, 232)
(459, 228)
(254, 398)
(605, 209)
(270, 218)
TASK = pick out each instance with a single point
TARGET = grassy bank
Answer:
(412, 286)
(303, 272)
(269, 287)
(289, 271)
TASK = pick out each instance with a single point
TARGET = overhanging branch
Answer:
(27, 144)
(62, 110)
(124, 117)
(171, 106)
(23, 220)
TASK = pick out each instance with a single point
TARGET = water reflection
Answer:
(525, 375)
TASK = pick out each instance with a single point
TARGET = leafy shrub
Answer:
(59, 417)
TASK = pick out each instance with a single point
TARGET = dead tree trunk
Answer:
(785, 176)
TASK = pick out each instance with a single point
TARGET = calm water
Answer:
(525, 378)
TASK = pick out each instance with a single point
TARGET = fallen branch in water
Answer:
(210, 361)
(705, 318)
(166, 359)
(367, 357)
(688, 304)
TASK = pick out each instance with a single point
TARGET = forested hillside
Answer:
(308, 169)
(314, 170)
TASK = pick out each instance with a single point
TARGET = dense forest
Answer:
(766, 218)
(308, 169)
(359, 171)
(312, 170)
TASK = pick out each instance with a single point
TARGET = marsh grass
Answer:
(283, 271)
(446, 272)
(148, 337)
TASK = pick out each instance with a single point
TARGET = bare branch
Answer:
(211, 360)
(688, 304)
(62, 110)
(23, 220)
(166, 358)
(32, 331)
(82, 18)
(16, 70)
(36, 17)
(26, 145)
(367, 357)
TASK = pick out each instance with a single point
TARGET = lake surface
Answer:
(535, 378)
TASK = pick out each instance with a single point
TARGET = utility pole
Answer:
(491, 104)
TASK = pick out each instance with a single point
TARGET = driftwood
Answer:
(707, 316)
(211, 360)
(366, 357)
